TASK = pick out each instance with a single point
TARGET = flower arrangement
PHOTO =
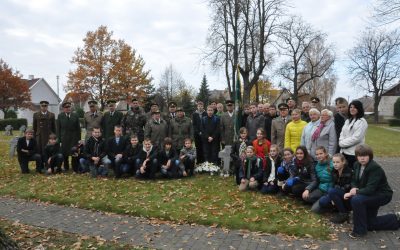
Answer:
(207, 167)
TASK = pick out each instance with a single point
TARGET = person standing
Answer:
(134, 121)
(305, 109)
(180, 128)
(294, 129)
(171, 114)
(210, 135)
(111, 119)
(197, 116)
(278, 126)
(156, 129)
(68, 131)
(44, 124)
(92, 118)
(227, 124)
(255, 120)
(291, 103)
(340, 117)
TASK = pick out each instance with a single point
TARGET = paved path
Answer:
(161, 235)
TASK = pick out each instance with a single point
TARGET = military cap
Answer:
(172, 104)
(283, 106)
(92, 103)
(229, 102)
(134, 100)
(66, 104)
(315, 100)
(179, 109)
(111, 102)
(154, 104)
(289, 98)
(44, 103)
(156, 112)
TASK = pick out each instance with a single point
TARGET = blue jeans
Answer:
(365, 211)
(100, 169)
(336, 195)
(83, 165)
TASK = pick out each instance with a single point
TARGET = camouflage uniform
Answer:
(179, 130)
(133, 123)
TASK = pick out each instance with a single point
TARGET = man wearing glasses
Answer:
(44, 124)
(278, 126)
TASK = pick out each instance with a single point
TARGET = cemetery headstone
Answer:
(13, 146)
(8, 130)
(22, 130)
(225, 156)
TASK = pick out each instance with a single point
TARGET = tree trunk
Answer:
(7, 243)
(376, 105)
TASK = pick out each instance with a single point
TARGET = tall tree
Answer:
(186, 101)
(14, 91)
(375, 63)
(387, 11)
(105, 68)
(204, 91)
(307, 56)
(241, 34)
(171, 84)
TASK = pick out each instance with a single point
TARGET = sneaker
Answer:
(340, 218)
(354, 235)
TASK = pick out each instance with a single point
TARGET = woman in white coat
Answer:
(353, 132)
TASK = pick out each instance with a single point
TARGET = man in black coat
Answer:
(196, 121)
(115, 148)
(27, 151)
(210, 132)
(110, 119)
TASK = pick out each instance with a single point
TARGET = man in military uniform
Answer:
(227, 124)
(134, 121)
(153, 107)
(315, 103)
(68, 131)
(44, 124)
(156, 129)
(180, 128)
(111, 118)
(291, 103)
(92, 118)
(171, 114)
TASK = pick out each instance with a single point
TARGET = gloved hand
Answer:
(291, 181)
(281, 170)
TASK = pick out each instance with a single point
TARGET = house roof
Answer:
(368, 103)
(76, 98)
(31, 83)
(393, 91)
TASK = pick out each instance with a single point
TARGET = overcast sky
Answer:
(38, 37)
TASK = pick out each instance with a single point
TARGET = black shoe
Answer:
(340, 218)
(354, 235)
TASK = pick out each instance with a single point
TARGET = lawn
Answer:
(384, 142)
(204, 199)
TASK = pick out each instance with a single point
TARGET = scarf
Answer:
(242, 149)
(249, 161)
(317, 132)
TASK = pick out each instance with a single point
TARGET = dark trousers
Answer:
(66, 162)
(365, 211)
(198, 142)
(314, 196)
(189, 166)
(25, 159)
(297, 189)
(210, 150)
(173, 171)
(336, 195)
(55, 161)
(269, 188)
(116, 165)
(150, 170)
(351, 159)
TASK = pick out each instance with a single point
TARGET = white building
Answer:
(386, 105)
(40, 90)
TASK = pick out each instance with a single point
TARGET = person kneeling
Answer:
(168, 160)
(251, 172)
(130, 156)
(115, 148)
(95, 154)
(146, 162)
(187, 158)
(52, 155)
(27, 151)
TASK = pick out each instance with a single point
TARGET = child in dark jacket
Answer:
(342, 176)
(370, 190)
(251, 172)
(287, 166)
(168, 160)
(78, 156)
(238, 153)
(187, 157)
(147, 162)
(95, 153)
(130, 155)
(271, 172)
(301, 175)
(52, 155)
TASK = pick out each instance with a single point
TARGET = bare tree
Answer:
(307, 56)
(171, 84)
(387, 11)
(239, 36)
(375, 63)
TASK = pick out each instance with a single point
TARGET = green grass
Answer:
(384, 142)
(204, 199)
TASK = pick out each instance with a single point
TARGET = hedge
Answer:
(15, 123)
(394, 122)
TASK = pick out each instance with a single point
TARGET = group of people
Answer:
(317, 156)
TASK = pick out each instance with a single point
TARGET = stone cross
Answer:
(225, 155)
(8, 130)
(13, 145)
(22, 130)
